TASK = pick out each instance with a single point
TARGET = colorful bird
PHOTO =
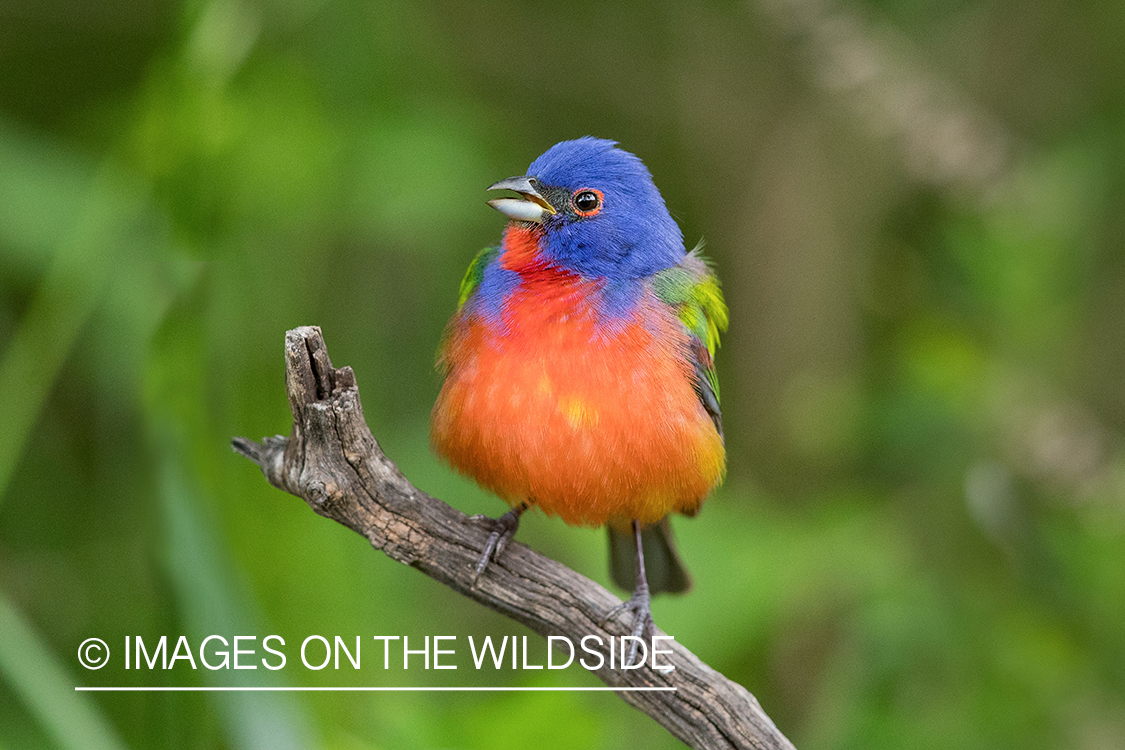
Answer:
(579, 375)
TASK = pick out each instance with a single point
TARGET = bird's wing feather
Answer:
(693, 291)
(474, 273)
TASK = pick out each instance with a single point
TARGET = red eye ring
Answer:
(587, 201)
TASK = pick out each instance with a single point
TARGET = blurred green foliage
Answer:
(916, 209)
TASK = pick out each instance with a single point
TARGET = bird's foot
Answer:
(503, 529)
(639, 604)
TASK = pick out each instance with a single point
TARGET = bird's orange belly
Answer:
(593, 427)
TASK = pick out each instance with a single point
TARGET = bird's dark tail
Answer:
(663, 568)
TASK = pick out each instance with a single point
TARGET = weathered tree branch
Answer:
(333, 462)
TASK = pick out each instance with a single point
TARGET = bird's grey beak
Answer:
(531, 206)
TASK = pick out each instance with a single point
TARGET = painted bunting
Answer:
(579, 375)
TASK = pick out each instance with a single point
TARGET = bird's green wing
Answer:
(693, 291)
(475, 273)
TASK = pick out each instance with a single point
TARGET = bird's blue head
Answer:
(600, 212)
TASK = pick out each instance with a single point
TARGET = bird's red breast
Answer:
(592, 420)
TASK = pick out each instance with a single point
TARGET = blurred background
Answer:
(916, 208)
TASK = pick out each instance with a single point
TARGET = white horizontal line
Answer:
(186, 689)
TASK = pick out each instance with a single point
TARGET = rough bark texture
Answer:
(333, 462)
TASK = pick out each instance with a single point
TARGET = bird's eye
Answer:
(587, 201)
